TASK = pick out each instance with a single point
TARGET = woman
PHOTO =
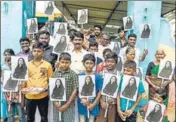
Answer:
(139, 73)
(145, 32)
(130, 89)
(58, 91)
(6, 66)
(156, 114)
(83, 17)
(155, 84)
(167, 70)
(88, 88)
(33, 27)
(61, 45)
(129, 23)
(21, 69)
(111, 87)
(61, 29)
(49, 9)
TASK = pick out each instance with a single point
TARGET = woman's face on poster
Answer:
(132, 80)
(58, 82)
(20, 61)
(168, 64)
(32, 21)
(137, 70)
(61, 26)
(128, 19)
(146, 26)
(88, 79)
(157, 108)
(63, 38)
(113, 79)
(83, 12)
(50, 4)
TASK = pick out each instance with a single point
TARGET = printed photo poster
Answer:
(110, 85)
(139, 73)
(155, 112)
(32, 26)
(145, 31)
(19, 67)
(166, 69)
(129, 87)
(82, 16)
(9, 85)
(60, 28)
(87, 86)
(60, 43)
(57, 88)
(128, 22)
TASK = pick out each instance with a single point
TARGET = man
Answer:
(25, 47)
(132, 43)
(44, 38)
(122, 40)
(97, 32)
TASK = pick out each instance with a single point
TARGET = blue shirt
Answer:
(82, 110)
(123, 101)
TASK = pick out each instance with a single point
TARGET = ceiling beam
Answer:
(111, 13)
(69, 12)
(167, 12)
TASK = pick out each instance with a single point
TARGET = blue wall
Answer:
(153, 16)
(11, 25)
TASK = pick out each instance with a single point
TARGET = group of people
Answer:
(90, 53)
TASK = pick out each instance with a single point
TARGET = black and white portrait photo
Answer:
(139, 73)
(82, 16)
(145, 31)
(19, 68)
(49, 7)
(57, 89)
(116, 47)
(60, 28)
(166, 69)
(110, 85)
(87, 86)
(129, 87)
(32, 25)
(61, 44)
(154, 112)
(9, 85)
(128, 22)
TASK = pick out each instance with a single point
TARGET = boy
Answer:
(39, 72)
(92, 104)
(111, 67)
(71, 78)
(128, 113)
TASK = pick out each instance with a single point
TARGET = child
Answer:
(92, 104)
(67, 108)
(102, 65)
(111, 62)
(39, 72)
(128, 113)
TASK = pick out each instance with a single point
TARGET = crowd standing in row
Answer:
(89, 53)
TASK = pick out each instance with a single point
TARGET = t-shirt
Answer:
(123, 101)
(82, 110)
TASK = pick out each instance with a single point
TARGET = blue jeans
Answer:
(20, 111)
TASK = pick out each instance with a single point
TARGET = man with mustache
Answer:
(25, 47)
(97, 33)
(44, 38)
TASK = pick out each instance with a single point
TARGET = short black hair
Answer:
(38, 45)
(106, 50)
(43, 32)
(130, 64)
(71, 33)
(98, 26)
(121, 29)
(9, 51)
(65, 56)
(88, 57)
(93, 43)
(24, 39)
(77, 34)
(132, 35)
(112, 55)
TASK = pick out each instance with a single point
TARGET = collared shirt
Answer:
(123, 101)
(22, 53)
(82, 110)
(71, 79)
(38, 76)
(76, 58)
(123, 55)
(48, 56)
